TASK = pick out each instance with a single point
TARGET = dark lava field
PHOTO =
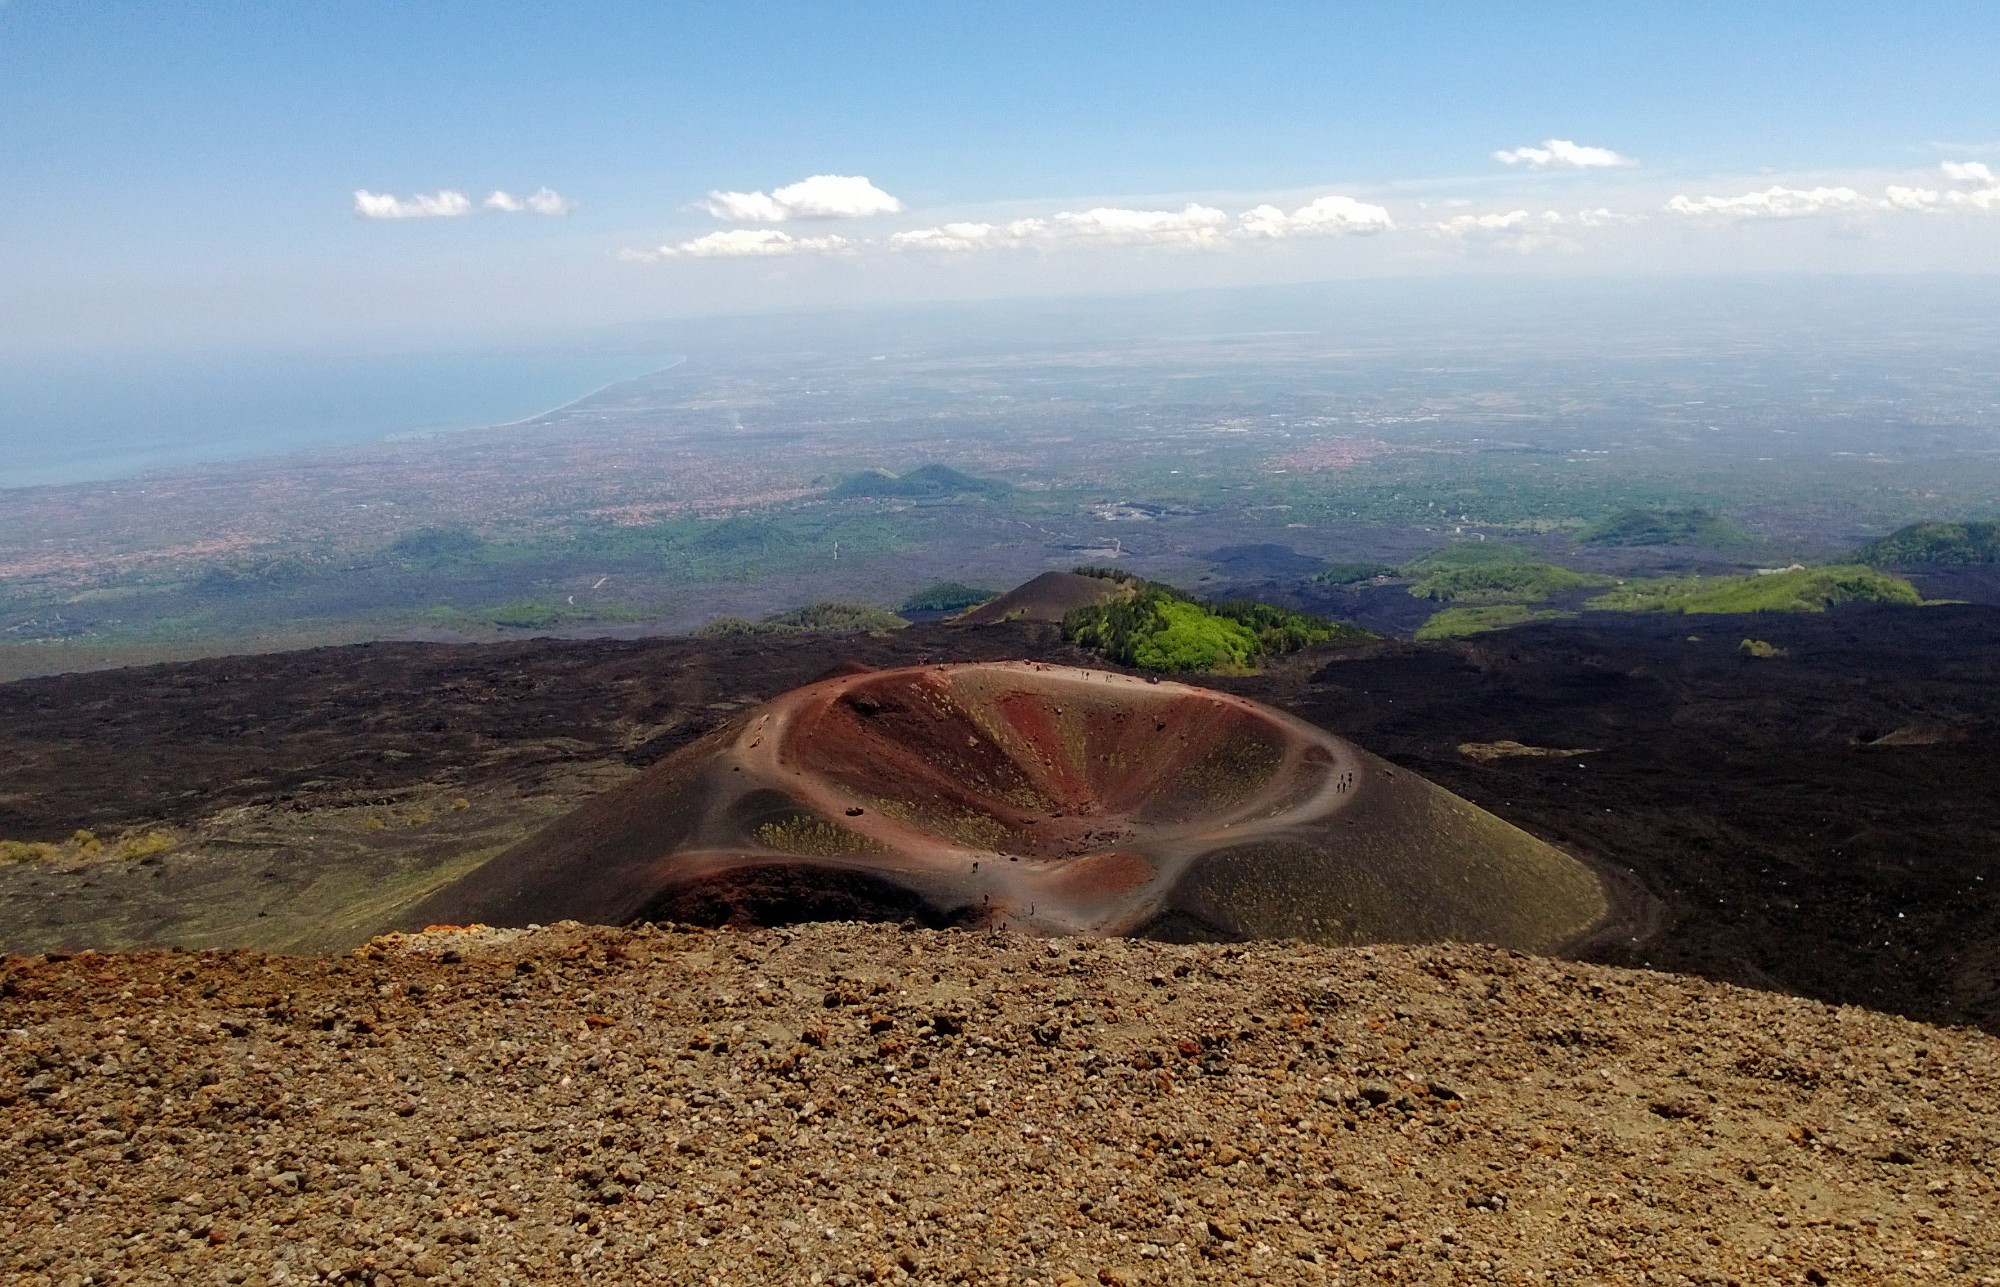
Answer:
(1824, 822)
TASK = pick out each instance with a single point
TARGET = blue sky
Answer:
(187, 173)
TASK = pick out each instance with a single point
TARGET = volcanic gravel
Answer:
(843, 1103)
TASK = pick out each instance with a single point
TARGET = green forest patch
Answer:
(1159, 628)
(1456, 623)
(1793, 590)
(1353, 573)
(826, 617)
(1473, 574)
(926, 482)
(1921, 543)
(1664, 527)
(947, 596)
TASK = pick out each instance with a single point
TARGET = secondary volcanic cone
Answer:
(1055, 799)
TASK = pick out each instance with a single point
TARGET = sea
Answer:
(82, 420)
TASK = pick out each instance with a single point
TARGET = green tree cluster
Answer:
(925, 482)
(1161, 629)
(1664, 527)
(1353, 573)
(1491, 574)
(1456, 623)
(947, 596)
(1921, 543)
(1795, 590)
(825, 617)
(431, 544)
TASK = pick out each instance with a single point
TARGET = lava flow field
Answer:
(1047, 798)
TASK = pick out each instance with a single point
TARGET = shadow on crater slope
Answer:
(1049, 798)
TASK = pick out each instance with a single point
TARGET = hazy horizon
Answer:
(119, 416)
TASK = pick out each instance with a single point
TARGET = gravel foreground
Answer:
(848, 1103)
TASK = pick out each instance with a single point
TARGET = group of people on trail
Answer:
(1345, 782)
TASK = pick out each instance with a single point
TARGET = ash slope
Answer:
(1048, 597)
(1050, 798)
(579, 1105)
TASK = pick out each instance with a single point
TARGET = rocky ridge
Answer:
(849, 1103)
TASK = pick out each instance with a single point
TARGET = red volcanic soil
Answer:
(1051, 798)
(1054, 793)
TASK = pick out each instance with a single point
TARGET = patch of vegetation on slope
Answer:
(824, 618)
(83, 846)
(1456, 623)
(947, 596)
(1353, 573)
(1159, 628)
(925, 482)
(1664, 527)
(1491, 574)
(1795, 590)
(1935, 543)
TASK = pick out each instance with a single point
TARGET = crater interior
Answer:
(1051, 798)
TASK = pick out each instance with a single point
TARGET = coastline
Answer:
(126, 463)
(408, 434)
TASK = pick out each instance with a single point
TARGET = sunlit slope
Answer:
(1053, 799)
(1048, 597)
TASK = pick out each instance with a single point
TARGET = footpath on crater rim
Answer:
(845, 1103)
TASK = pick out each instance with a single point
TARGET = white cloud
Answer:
(1602, 218)
(542, 201)
(1516, 230)
(823, 196)
(744, 207)
(951, 236)
(739, 243)
(1772, 203)
(1487, 224)
(1330, 214)
(1930, 200)
(443, 204)
(1561, 154)
(1915, 199)
(1194, 224)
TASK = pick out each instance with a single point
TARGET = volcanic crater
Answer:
(1049, 798)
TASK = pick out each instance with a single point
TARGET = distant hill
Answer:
(428, 543)
(1664, 527)
(925, 482)
(1155, 627)
(1049, 597)
(1935, 543)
